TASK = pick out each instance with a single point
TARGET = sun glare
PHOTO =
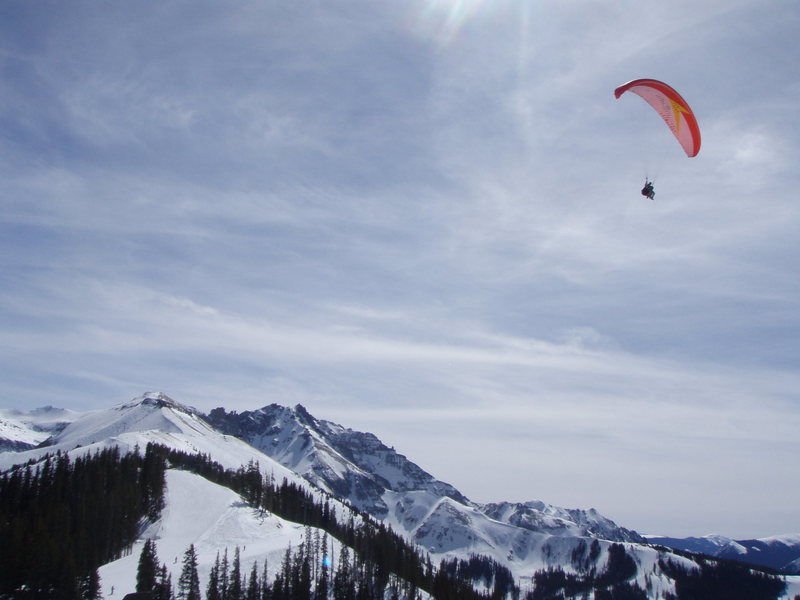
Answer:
(443, 19)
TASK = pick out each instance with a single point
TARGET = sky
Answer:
(422, 219)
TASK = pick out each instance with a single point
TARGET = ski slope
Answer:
(212, 518)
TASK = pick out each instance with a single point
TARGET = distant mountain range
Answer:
(23, 430)
(355, 469)
(781, 553)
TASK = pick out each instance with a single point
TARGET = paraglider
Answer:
(675, 111)
(648, 191)
(672, 107)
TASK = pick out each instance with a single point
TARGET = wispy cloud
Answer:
(424, 214)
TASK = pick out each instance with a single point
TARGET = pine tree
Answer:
(163, 589)
(213, 591)
(284, 590)
(223, 576)
(148, 567)
(266, 588)
(235, 584)
(189, 582)
(300, 575)
(323, 581)
(153, 481)
(252, 584)
(343, 585)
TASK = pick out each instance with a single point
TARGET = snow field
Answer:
(212, 518)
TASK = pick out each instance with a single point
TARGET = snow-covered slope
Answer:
(220, 521)
(709, 544)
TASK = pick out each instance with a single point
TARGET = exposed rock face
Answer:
(359, 468)
(352, 465)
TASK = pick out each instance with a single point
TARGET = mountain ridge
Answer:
(370, 474)
(781, 553)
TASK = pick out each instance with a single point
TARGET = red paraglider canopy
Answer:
(673, 109)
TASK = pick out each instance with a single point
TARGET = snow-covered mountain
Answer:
(355, 467)
(22, 430)
(351, 465)
(153, 417)
(360, 469)
(781, 553)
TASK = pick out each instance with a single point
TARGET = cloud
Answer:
(424, 214)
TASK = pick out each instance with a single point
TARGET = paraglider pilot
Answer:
(648, 191)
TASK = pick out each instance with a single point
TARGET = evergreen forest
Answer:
(61, 519)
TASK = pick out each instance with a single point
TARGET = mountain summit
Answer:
(151, 417)
(349, 464)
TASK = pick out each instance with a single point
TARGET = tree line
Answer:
(306, 573)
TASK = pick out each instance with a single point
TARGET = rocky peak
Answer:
(352, 464)
(159, 400)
